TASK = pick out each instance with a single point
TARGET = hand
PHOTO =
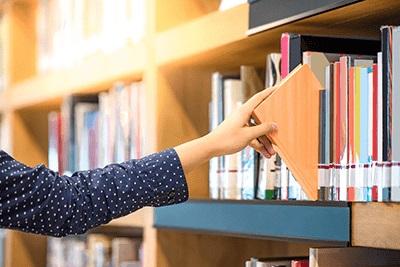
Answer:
(234, 134)
(231, 136)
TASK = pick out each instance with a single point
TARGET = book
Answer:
(251, 84)
(296, 143)
(69, 129)
(232, 178)
(395, 179)
(86, 133)
(125, 250)
(216, 114)
(293, 45)
(98, 250)
(55, 141)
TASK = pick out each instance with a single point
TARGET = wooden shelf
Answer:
(376, 225)
(201, 35)
(282, 220)
(219, 40)
(94, 74)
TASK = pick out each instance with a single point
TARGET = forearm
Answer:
(196, 152)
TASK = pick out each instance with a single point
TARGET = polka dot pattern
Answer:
(41, 201)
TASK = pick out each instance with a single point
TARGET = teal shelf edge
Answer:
(282, 220)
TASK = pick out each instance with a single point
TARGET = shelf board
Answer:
(305, 221)
(94, 74)
(201, 35)
(219, 40)
(376, 225)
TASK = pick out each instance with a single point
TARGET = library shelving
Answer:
(185, 41)
(286, 220)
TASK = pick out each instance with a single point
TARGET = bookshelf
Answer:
(185, 41)
(280, 220)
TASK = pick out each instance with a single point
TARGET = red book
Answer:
(336, 113)
(351, 116)
(300, 263)
(351, 144)
(343, 106)
(284, 55)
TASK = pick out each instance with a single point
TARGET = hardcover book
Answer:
(296, 141)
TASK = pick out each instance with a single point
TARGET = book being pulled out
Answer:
(294, 107)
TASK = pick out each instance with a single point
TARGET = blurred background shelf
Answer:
(261, 219)
(94, 74)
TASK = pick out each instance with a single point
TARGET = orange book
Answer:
(294, 107)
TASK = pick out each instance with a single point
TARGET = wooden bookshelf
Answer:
(376, 225)
(94, 74)
(186, 40)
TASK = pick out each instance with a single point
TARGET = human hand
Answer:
(234, 133)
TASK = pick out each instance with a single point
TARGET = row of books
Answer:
(278, 262)
(94, 250)
(359, 107)
(95, 130)
(68, 31)
(246, 174)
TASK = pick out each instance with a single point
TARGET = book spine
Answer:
(53, 141)
(386, 37)
(216, 170)
(285, 55)
(379, 166)
(351, 144)
(364, 128)
(395, 179)
(343, 139)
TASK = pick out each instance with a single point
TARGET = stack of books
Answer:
(95, 130)
(69, 31)
(94, 250)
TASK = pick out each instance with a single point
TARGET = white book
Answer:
(104, 129)
(232, 180)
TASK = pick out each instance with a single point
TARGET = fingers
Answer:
(259, 147)
(263, 129)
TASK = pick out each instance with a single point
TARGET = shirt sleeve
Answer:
(41, 201)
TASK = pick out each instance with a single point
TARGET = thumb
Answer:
(262, 129)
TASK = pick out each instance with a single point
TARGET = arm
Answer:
(39, 200)
(231, 136)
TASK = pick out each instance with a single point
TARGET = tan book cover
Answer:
(293, 106)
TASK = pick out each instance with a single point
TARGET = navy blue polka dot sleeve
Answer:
(39, 200)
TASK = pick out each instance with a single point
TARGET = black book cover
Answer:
(300, 43)
(386, 36)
